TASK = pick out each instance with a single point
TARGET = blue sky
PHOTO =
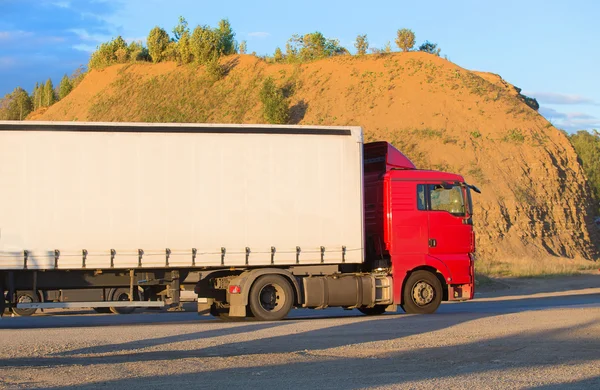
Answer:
(547, 48)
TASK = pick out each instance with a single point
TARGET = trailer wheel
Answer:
(422, 293)
(271, 298)
(122, 294)
(373, 311)
(25, 297)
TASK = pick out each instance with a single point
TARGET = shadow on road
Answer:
(314, 337)
(540, 350)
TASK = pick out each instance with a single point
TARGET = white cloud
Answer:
(15, 34)
(571, 121)
(559, 98)
(258, 34)
(61, 4)
(86, 36)
(84, 47)
(7, 62)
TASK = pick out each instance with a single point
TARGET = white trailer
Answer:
(131, 211)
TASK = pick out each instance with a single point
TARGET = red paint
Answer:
(442, 240)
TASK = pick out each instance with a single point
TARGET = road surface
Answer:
(524, 337)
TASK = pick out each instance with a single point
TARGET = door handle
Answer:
(432, 243)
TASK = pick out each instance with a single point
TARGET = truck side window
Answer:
(421, 204)
(450, 200)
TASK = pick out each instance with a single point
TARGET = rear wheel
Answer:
(373, 311)
(271, 298)
(122, 294)
(422, 293)
(102, 310)
(25, 297)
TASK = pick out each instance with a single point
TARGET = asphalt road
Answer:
(522, 337)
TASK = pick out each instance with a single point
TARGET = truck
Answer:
(254, 219)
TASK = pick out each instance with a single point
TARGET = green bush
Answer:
(205, 43)
(361, 44)
(431, 48)
(275, 106)
(312, 46)
(405, 39)
(587, 147)
(158, 43)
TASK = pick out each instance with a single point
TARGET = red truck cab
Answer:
(418, 225)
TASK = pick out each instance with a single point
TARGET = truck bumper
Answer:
(461, 292)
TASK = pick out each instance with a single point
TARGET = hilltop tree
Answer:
(37, 96)
(387, 48)
(15, 105)
(431, 48)
(137, 52)
(405, 39)
(313, 46)
(361, 45)
(291, 53)
(158, 42)
(48, 95)
(205, 44)
(181, 29)
(243, 47)
(65, 87)
(278, 55)
(108, 53)
(226, 36)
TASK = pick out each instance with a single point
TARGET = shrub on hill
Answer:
(312, 46)
(431, 48)
(275, 106)
(587, 147)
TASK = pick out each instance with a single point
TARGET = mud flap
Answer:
(204, 305)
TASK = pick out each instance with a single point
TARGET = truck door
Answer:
(409, 223)
(450, 225)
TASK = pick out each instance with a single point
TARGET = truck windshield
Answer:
(448, 199)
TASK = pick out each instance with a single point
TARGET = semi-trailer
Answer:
(255, 219)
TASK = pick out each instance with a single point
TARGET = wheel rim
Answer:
(122, 297)
(271, 297)
(423, 293)
(25, 299)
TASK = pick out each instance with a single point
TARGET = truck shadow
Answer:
(300, 337)
(309, 368)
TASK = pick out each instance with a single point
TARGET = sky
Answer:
(548, 48)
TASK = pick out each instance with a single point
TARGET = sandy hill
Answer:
(535, 200)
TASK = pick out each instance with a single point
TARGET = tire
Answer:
(373, 311)
(271, 298)
(422, 293)
(25, 297)
(102, 310)
(122, 294)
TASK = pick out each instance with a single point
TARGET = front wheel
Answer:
(271, 298)
(422, 293)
